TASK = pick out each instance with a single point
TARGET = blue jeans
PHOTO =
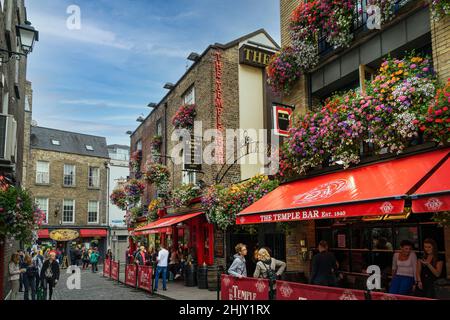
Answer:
(164, 275)
(29, 284)
(401, 285)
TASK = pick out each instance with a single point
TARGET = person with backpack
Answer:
(50, 275)
(268, 267)
(94, 260)
(29, 278)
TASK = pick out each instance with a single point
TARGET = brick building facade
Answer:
(245, 98)
(412, 28)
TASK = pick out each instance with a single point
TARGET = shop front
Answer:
(65, 239)
(190, 231)
(363, 213)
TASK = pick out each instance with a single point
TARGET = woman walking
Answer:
(50, 275)
(404, 266)
(14, 275)
(429, 269)
(29, 278)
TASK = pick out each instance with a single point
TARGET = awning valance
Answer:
(93, 233)
(43, 234)
(376, 189)
(164, 225)
(434, 194)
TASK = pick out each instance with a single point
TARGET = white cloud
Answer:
(53, 26)
(102, 103)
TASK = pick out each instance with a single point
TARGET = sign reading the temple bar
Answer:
(282, 119)
(193, 154)
(253, 56)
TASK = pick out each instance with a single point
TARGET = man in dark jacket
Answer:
(324, 267)
(50, 275)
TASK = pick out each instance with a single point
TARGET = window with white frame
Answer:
(93, 208)
(94, 177)
(69, 175)
(42, 203)
(68, 211)
(189, 96)
(42, 172)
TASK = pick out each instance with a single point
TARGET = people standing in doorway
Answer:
(239, 268)
(324, 267)
(404, 266)
(29, 278)
(94, 260)
(141, 256)
(161, 266)
(429, 269)
(14, 275)
(49, 275)
(174, 262)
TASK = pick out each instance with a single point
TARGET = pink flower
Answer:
(413, 66)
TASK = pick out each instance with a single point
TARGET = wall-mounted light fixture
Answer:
(27, 36)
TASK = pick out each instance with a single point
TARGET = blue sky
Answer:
(99, 79)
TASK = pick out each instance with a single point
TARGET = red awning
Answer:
(376, 189)
(43, 234)
(164, 225)
(434, 194)
(93, 233)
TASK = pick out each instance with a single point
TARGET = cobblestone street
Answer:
(96, 287)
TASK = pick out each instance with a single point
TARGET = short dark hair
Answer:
(406, 243)
(323, 244)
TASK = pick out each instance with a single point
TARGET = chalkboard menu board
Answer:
(219, 244)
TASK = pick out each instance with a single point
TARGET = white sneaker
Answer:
(177, 276)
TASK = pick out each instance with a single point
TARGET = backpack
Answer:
(271, 274)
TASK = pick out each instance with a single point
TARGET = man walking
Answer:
(94, 260)
(162, 260)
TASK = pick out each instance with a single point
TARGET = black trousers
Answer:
(94, 266)
(48, 284)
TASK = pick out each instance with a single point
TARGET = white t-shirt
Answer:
(163, 256)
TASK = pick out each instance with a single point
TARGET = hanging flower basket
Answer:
(283, 71)
(119, 198)
(154, 209)
(185, 116)
(399, 102)
(222, 204)
(135, 163)
(134, 189)
(183, 195)
(19, 217)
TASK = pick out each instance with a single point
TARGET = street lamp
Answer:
(27, 36)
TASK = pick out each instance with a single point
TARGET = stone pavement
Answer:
(176, 290)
